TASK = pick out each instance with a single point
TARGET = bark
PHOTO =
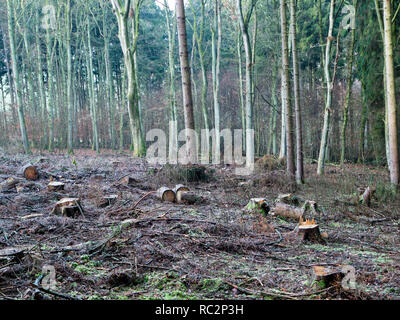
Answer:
(348, 93)
(391, 94)
(290, 166)
(68, 27)
(244, 20)
(93, 107)
(173, 137)
(191, 151)
(216, 57)
(329, 84)
(296, 89)
(16, 78)
(128, 46)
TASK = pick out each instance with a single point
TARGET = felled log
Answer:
(9, 184)
(68, 207)
(55, 186)
(188, 197)
(179, 188)
(287, 211)
(107, 201)
(30, 172)
(288, 198)
(308, 231)
(166, 194)
(327, 276)
(257, 205)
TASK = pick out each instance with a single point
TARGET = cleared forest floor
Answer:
(209, 250)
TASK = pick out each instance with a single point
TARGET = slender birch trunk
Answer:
(216, 61)
(68, 27)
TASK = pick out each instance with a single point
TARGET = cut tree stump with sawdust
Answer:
(257, 205)
(9, 184)
(107, 201)
(166, 194)
(188, 197)
(55, 186)
(308, 231)
(30, 172)
(68, 207)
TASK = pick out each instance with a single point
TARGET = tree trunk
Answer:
(348, 93)
(191, 150)
(299, 130)
(244, 25)
(329, 84)
(173, 137)
(11, 32)
(391, 94)
(69, 77)
(216, 57)
(290, 167)
(128, 46)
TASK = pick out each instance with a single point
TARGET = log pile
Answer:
(188, 197)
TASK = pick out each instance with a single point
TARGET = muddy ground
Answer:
(208, 250)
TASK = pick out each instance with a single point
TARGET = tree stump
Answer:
(257, 205)
(55, 186)
(326, 276)
(166, 194)
(30, 172)
(310, 233)
(128, 180)
(9, 184)
(107, 201)
(68, 207)
(188, 197)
